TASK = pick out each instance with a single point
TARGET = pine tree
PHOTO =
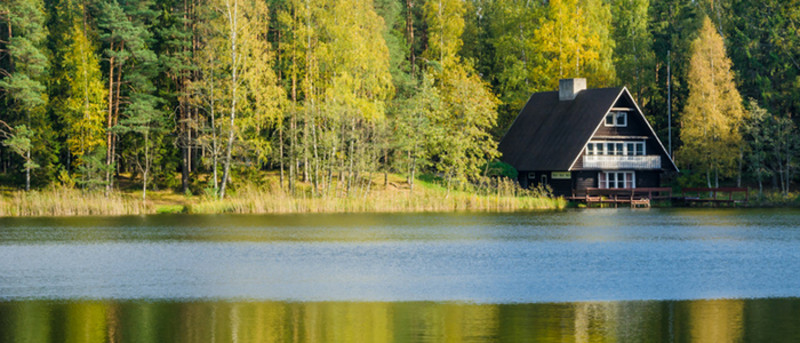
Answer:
(176, 44)
(713, 113)
(23, 81)
(634, 58)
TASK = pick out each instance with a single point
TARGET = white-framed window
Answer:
(618, 119)
(619, 148)
(616, 179)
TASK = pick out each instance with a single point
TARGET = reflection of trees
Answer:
(710, 320)
(652, 321)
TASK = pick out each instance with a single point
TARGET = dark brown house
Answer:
(578, 138)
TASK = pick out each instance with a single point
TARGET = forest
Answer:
(203, 96)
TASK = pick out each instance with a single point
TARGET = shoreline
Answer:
(63, 201)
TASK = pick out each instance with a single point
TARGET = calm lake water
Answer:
(666, 275)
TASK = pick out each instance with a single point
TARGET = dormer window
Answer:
(617, 119)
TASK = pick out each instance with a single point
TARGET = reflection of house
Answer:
(578, 138)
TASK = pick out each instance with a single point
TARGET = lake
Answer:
(578, 275)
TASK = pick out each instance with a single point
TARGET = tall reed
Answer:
(499, 195)
(64, 201)
(504, 196)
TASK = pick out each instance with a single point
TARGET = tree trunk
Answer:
(739, 174)
(109, 119)
(146, 166)
(280, 152)
(232, 19)
(115, 119)
(410, 34)
(28, 169)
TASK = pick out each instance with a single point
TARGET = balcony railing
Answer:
(622, 162)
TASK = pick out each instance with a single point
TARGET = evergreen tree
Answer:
(673, 26)
(23, 83)
(176, 45)
(765, 50)
(634, 59)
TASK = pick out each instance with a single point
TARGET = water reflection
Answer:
(772, 320)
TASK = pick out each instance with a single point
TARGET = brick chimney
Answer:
(568, 89)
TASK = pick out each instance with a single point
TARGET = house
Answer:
(578, 138)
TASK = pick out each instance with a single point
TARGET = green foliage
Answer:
(171, 209)
(634, 57)
(331, 92)
(499, 168)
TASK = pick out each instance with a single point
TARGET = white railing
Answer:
(622, 162)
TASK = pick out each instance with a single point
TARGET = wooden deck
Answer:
(714, 196)
(635, 197)
(642, 197)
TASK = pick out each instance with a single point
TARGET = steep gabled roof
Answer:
(549, 134)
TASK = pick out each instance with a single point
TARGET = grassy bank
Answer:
(267, 197)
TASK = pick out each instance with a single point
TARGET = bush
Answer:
(499, 168)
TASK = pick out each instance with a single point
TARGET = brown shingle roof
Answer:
(549, 134)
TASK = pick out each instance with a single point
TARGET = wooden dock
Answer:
(642, 197)
(635, 197)
(729, 196)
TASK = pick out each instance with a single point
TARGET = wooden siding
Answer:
(584, 180)
(581, 180)
(558, 187)
(637, 127)
(648, 179)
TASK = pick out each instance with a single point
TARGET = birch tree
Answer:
(249, 87)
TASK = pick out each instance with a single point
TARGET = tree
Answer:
(512, 29)
(673, 25)
(461, 143)
(144, 119)
(18, 139)
(81, 100)
(755, 132)
(765, 43)
(249, 86)
(23, 80)
(633, 55)
(713, 113)
(784, 145)
(131, 66)
(414, 129)
(574, 40)
(176, 45)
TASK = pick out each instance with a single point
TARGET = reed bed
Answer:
(425, 198)
(64, 201)
(269, 198)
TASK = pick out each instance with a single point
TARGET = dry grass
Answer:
(269, 198)
(397, 197)
(63, 201)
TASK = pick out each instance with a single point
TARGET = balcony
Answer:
(621, 162)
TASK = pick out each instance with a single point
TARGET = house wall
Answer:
(581, 180)
(559, 187)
